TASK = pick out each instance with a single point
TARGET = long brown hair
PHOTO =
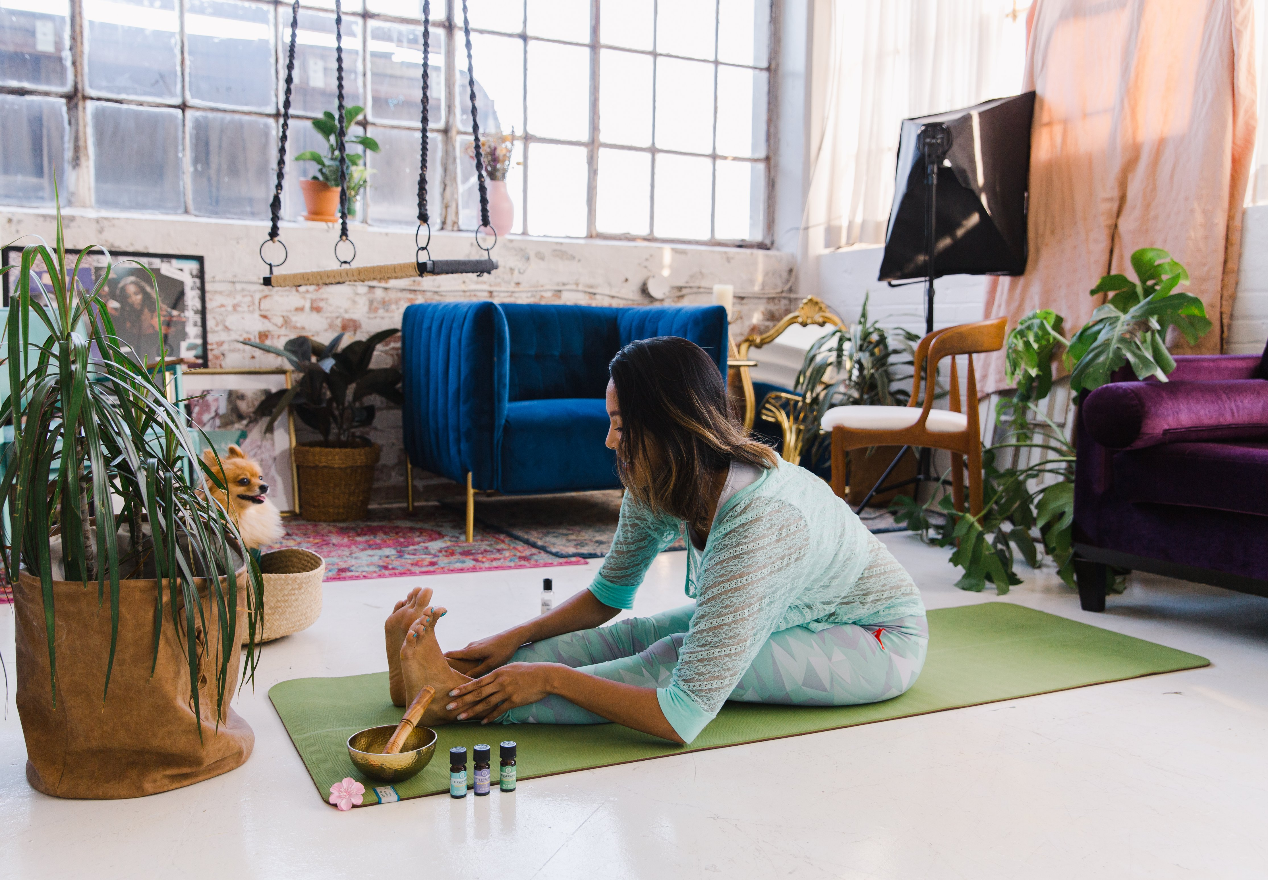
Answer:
(677, 429)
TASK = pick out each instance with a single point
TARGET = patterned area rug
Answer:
(529, 531)
(392, 543)
(579, 524)
(583, 523)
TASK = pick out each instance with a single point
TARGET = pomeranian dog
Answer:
(258, 520)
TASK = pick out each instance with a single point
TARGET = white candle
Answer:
(724, 295)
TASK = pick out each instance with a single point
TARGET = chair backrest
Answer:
(706, 326)
(558, 351)
(949, 342)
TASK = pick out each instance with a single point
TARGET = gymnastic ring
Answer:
(487, 250)
(422, 248)
(347, 262)
(285, 253)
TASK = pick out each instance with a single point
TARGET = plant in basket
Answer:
(336, 474)
(131, 590)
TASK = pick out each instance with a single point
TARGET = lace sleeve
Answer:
(640, 535)
(749, 575)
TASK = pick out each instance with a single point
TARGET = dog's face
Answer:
(242, 477)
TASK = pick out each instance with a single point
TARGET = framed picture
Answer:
(223, 403)
(180, 312)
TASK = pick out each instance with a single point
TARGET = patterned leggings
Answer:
(842, 665)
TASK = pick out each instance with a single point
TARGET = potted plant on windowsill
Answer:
(335, 474)
(130, 591)
(321, 191)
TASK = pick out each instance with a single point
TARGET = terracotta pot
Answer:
(144, 738)
(501, 208)
(866, 469)
(335, 482)
(321, 200)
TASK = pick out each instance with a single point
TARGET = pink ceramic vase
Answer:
(501, 209)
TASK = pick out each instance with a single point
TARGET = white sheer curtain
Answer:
(888, 60)
(1257, 191)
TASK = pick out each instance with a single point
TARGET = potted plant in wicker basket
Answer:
(130, 591)
(335, 474)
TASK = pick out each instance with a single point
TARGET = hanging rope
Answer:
(275, 207)
(475, 128)
(420, 267)
(422, 165)
(340, 135)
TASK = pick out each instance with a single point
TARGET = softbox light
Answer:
(979, 196)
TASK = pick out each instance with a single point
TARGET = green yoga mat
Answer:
(977, 654)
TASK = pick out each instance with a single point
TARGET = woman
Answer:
(795, 601)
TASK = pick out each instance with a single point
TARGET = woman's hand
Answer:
(515, 684)
(488, 653)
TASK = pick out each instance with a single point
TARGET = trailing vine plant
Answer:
(1029, 510)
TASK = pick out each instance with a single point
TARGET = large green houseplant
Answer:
(336, 474)
(1030, 509)
(130, 591)
(861, 364)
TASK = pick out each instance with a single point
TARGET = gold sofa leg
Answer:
(470, 510)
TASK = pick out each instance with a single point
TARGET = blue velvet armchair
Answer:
(510, 398)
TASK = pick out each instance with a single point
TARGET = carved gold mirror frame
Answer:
(812, 311)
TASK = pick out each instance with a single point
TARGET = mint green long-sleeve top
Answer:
(782, 552)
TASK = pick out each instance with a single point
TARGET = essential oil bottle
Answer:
(507, 752)
(481, 763)
(458, 772)
(548, 595)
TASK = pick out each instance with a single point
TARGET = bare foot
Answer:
(423, 663)
(395, 627)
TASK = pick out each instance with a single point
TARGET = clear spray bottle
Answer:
(548, 595)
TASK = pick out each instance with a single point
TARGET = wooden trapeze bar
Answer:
(382, 273)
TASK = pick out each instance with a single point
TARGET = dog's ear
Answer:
(234, 452)
(209, 456)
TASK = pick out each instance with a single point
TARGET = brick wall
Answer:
(531, 270)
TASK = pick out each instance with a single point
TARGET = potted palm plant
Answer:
(321, 191)
(863, 364)
(130, 591)
(336, 473)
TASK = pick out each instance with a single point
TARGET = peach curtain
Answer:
(1143, 136)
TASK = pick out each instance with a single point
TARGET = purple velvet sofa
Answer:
(1172, 478)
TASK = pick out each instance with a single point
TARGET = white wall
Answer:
(844, 277)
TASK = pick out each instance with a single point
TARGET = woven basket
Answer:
(335, 482)
(292, 591)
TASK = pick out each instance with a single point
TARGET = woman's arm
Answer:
(640, 535)
(518, 684)
(582, 611)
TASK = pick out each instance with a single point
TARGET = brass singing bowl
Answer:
(366, 751)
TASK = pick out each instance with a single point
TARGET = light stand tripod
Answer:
(933, 142)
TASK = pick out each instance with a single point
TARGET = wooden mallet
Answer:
(412, 716)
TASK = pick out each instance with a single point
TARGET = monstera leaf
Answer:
(1131, 328)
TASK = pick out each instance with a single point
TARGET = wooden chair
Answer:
(919, 425)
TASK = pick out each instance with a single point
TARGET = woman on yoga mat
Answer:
(795, 602)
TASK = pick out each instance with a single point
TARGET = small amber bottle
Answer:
(507, 768)
(482, 759)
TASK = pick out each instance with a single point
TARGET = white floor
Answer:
(1159, 777)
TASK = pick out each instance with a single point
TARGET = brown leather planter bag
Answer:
(144, 737)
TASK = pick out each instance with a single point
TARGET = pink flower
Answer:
(347, 794)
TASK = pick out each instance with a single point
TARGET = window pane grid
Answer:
(710, 154)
